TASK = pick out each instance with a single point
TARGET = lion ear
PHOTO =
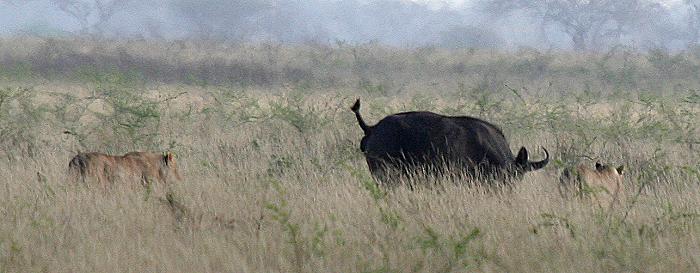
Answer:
(168, 157)
(621, 170)
(598, 166)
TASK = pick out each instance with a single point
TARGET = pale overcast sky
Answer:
(334, 19)
(462, 3)
(440, 3)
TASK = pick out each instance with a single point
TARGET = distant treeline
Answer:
(370, 67)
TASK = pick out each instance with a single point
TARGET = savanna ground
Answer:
(274, 180)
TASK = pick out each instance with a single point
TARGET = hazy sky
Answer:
(442, 3)
(462, 3)
(385, 21)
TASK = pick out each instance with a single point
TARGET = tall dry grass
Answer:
(274, 182)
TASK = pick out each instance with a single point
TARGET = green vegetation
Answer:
(274, 180)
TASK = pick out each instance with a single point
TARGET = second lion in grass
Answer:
(603, 184)
(144, 167)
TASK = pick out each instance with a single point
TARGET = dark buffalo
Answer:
(427, 141)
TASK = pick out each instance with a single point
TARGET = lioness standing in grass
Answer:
(143, 166)
(604, 184)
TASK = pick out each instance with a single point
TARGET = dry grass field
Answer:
(273, 179)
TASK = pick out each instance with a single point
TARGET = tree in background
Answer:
(590, 24)
(693, 20)
(92, 15)
(221, 19)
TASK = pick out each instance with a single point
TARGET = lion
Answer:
(147, 167)
(604, 184)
